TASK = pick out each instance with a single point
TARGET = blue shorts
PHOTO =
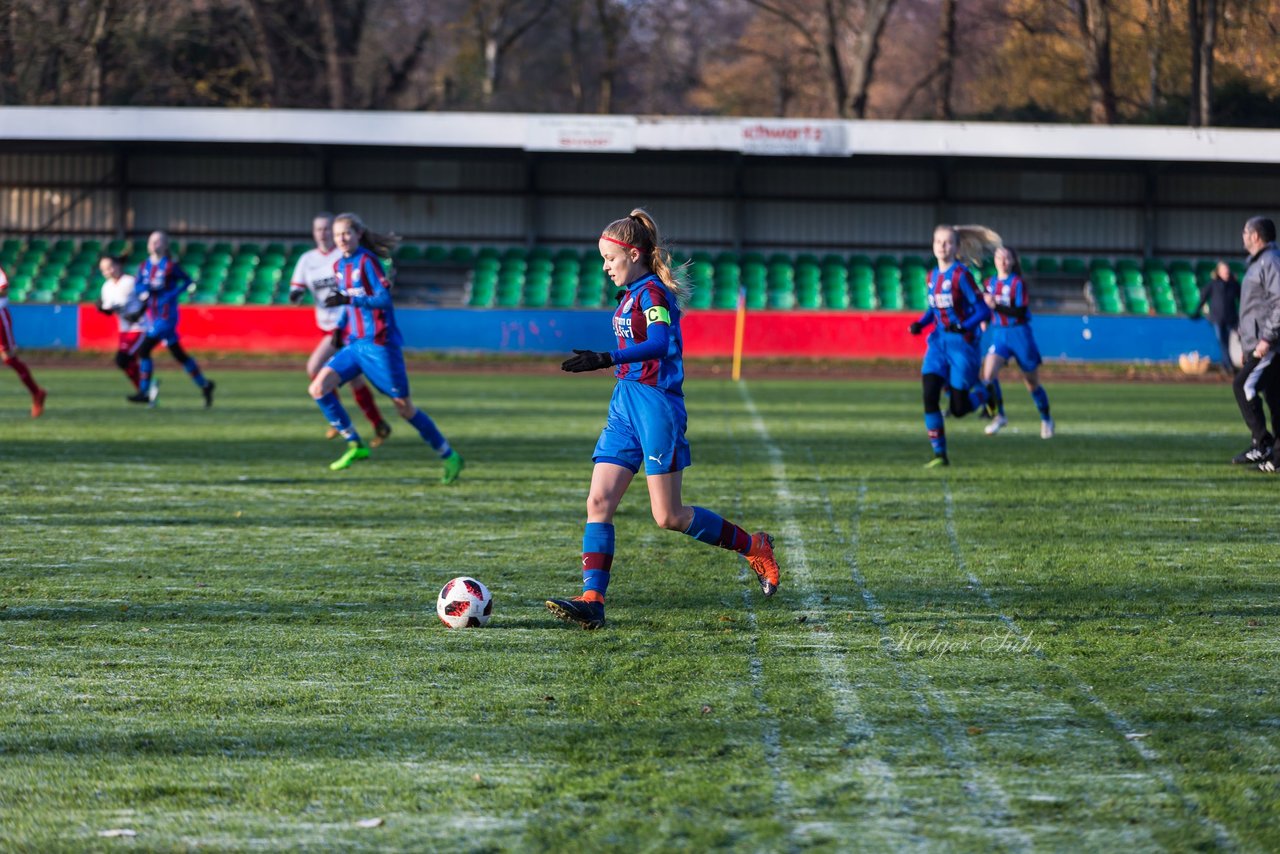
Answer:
(646, 426)
(952, 357)
(1018, 343)
(166, 332)
(382, 366)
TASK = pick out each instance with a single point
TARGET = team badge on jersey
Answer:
(626, 306)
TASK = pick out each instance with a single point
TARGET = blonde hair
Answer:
(638, 230)
(973, 243)
(381, 245)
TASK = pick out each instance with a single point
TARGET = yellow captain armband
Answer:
(658, 314)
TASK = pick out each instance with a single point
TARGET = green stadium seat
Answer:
(1237, 268)
(1046, 265)
(862, 296)
(120, 246)
(275, 249)
(195, 247)
(11, 245)
(249, 248)
(1074, 267)
(45, 295)
(701, 297)
(408, 252)
(727, 298)
(232, 298)
(436, 254)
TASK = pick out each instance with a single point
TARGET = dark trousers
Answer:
(1224, 331)
(1258, 379)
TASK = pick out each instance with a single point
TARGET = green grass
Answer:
(211, 640)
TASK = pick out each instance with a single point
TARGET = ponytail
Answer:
(976, 242)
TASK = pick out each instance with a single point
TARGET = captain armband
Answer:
(658, 314)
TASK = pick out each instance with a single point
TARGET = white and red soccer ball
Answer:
(464, 603)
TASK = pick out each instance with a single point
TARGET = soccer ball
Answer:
(464, 603)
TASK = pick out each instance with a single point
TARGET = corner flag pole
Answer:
(739, 331)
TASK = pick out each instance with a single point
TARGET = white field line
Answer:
(944, 723)
(877, 775)
(1119, 725)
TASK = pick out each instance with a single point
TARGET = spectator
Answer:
(1259, 331)
(1222, 294)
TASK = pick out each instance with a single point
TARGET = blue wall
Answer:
(50, 326)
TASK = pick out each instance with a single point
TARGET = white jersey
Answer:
(119, 295)
(4, 290)
(315, 273)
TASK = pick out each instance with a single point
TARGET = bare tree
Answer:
(1094, 20)
(946, 59)
(844, 38)
(1202, 26)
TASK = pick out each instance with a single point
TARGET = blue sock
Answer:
(999, 393)
(937, 432)
(193, 369)
(337, 416)
(977, 397)
(1041, 397)
(427, 430)
(714, 530)
(597, 556)
(145, 366)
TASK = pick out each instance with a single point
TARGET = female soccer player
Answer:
(9, 351)
(646, 423)
(1011, 336)
(956, 311)
(160, 282)
(372, 344)
(118, 297)
(314, 272)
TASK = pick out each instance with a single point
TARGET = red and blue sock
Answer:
(933, 423)
(714, 530)
(597, 559)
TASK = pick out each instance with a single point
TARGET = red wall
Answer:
(244, 329)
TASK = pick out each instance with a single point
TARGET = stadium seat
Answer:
(435, 255)
(1047, 265)
(408, 252)
(1074, 267)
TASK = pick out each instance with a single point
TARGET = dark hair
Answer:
(1016, 266)
(119, 259)
(639, 230)
(1263, 227)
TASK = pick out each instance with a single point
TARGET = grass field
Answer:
(211, 641)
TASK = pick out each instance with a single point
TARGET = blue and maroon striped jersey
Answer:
(1011, 293)
(369, 316)
(159, 284)
(954, 299)
(650, 346)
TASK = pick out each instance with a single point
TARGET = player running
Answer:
(956, 312)
(160, 282)
(314, 272)
(1011, 337)
(372, 344)
(119, 297)
(646, 423)
(9, 351)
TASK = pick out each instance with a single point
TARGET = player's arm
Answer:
(372, 272)
(981, 313)
(1017, 308)
(297, 284)
(1269, 330)
(921, 323)
(657, 324)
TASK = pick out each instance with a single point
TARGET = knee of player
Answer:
(669, 520)
(405, 407)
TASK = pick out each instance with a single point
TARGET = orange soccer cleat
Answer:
(761, 559)
(37, 403)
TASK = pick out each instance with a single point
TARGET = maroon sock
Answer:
(20, 368)
(364, 399)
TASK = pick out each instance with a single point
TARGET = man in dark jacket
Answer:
(1222, 293)
(1259, 377)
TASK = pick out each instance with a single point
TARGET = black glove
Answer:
(296, 295)
(339, 340)
(336, 298)
(586, 360)
(915, 328)
(954, 327)
(134, 316)
(1197, 316)
(102, 308)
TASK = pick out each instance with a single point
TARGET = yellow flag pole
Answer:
(739, 333)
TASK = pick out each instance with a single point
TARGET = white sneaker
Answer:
(1046, 428)
(153, 393)
(996, 425)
